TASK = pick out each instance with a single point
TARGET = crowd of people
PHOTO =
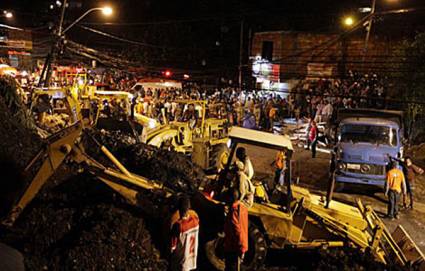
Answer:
(309, 99)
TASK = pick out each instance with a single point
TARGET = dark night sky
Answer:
(195, 26)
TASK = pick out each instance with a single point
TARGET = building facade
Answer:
(300, 54)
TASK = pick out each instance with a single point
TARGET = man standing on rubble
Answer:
(394, 186)
(236, 233)
(184, 238)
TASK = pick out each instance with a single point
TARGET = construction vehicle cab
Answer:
(299, 219)
(55, 107)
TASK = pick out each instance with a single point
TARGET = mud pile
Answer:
(172, 169)
(81, 224)
(18, 145)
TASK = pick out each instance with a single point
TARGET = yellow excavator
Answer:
(299, 219)
(304, 221)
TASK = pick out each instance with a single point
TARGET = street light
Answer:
(107, 11)
(7, 14)
(348, 21)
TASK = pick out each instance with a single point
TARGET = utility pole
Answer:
(241, 54)
(369, 28)
(47, 67)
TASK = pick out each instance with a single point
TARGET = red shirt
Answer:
(313, 133)
(236, 229)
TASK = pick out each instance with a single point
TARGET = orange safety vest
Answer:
(280, 160)
(395, 180)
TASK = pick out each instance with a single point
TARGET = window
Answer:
(267, 50)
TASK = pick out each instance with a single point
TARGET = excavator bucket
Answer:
(410, 250)
(397, 248)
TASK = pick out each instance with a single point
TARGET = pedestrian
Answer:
(236, 233)
(272, 117)
(410, 171)
(394, 186)
(184, 238)
(312, 137)
(249, 121)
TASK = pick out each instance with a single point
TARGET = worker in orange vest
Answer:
(394, 186)
(280, 166)
(236, 233)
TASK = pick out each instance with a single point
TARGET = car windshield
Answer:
(368, 133)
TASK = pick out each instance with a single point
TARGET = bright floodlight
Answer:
(8, 14)
(348, 21)
(107, 11)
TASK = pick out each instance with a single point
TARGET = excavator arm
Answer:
(56, 149)
(66, 144)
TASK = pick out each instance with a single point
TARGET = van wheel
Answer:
(254, 257)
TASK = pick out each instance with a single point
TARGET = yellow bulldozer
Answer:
(302, 221)
(204, 139)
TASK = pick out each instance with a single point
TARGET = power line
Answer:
(120, 38)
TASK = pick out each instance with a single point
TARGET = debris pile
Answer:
(81, 224)
(347, 259)
(19, 142)
(173, 169)
(55, 122)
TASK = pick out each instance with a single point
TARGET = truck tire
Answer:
(257, 249)
(219, 156)
(254, 257)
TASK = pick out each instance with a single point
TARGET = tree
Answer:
(412, 83)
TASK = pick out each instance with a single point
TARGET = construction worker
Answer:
(394, 186)
(246, 188)
(184, 238)
(280, 166)
(243, 157)
(410, 171)
(236, 233)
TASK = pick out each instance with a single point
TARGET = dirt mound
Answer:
(19, 142)
(82, 225)
(173, 169)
